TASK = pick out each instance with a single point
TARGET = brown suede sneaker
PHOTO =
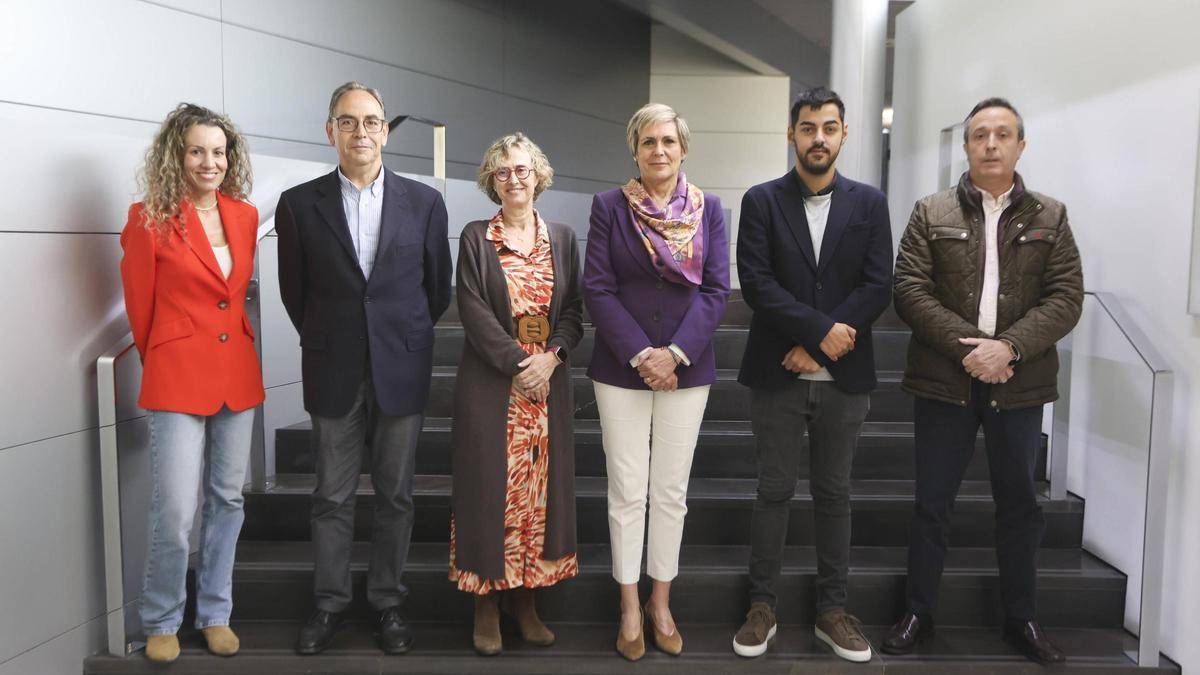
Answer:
(843, 633)
(162, 648)
(758, 631)
(221, 640)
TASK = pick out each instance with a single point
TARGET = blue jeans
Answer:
(190, 454)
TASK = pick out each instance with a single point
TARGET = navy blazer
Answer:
(633, 307)
(342, 317)
(795, 298)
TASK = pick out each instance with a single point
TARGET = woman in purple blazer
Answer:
(656, 277)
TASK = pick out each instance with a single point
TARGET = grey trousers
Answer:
(780, 419)
(341, 442)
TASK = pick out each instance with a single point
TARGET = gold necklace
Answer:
(206, 208)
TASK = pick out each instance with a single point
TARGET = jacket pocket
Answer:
(246, 327)
(419, 340)
(171, 330)
(949, 247)
(1032, 249)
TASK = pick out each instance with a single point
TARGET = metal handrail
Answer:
(1158, 457)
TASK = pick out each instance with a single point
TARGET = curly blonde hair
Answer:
(161, 180)
(499, 150)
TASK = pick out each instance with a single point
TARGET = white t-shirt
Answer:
(816, 209)
(224, 259)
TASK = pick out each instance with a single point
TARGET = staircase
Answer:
(1080, 598)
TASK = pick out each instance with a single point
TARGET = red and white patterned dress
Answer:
(530, 284)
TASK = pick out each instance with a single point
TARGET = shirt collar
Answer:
(805, 192)
(1000, 203)
(375, 186)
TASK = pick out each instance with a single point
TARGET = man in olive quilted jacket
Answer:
(988, 277)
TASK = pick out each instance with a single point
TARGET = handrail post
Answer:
(1155, 533)
(110, 495)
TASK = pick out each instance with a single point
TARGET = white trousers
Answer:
(649, 438)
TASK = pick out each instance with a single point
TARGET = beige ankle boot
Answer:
(487, 624)
(221, 640)
(519, 603)
(162, 648)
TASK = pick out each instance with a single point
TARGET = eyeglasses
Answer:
(373, 125)
(504, 173)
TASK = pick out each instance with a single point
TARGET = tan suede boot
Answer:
(487, 625)
(519, 604)
(221, 640)
(162, 648)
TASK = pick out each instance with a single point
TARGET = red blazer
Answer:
(188, 321)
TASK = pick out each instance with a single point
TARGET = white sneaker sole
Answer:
(751, 651)
(857, 657)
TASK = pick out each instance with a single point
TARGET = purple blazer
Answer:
(633, 307)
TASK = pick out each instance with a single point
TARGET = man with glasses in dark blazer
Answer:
(364, 273)
(815, 262)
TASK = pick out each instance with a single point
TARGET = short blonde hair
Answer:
(656, 113)
(499, 150)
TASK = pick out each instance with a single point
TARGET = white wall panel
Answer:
(118, 57)
(69, 299)
(207, 8)
(49, 581)
(739, 103)
(60, 655)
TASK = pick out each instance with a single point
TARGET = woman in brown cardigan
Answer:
(513, 451)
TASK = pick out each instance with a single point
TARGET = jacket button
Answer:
(658, 284)
(1001, 296)
(223, 337)
(656, 316)
(994, 404)
(1020, 225)
(1022, 237)
(963, 235)
(366, 299)
(222, 305)
(819, 286)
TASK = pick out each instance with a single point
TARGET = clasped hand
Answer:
(988, 361)
(534, 380)
(838, 341)
(657, 370)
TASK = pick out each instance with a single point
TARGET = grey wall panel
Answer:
(50, 563)
(602, 71)
(60, 655)
(69, 300)
(577, 146)
(446, 39)
(208, 8)
(75, 172)
(280, 345)
(111, 57)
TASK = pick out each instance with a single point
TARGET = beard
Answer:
(814, 166)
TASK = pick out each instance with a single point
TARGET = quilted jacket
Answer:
(939, 277)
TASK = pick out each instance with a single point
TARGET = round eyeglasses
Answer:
(504, 173)
(373, 125)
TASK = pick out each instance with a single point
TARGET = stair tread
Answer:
(863, 492)
(715, 559)
(588, 647)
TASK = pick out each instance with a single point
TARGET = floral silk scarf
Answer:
(673, 236)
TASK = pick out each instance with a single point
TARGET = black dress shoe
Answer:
(1031, 640)
(909, 630)
(395, 633)
(317, 632)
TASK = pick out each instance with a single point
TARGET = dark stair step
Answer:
(718, 512)
(724, 449)
(729, 342)
(587, 649)
(273, 580)
(727, 399)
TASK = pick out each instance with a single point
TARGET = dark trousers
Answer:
(945, 441)
(340, 445)
(780, 418)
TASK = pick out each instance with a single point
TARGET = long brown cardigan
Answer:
(480, 428)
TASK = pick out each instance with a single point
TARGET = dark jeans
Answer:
(945, 441)
(780, 418)
(340, 445)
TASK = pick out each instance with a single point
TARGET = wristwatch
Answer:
(1012, 350)
(559, 353)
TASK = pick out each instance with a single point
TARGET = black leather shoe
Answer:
(317, 632)
(907, 632)
(1031, 640)
(395, 633)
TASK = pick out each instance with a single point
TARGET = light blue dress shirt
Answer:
(364, 216)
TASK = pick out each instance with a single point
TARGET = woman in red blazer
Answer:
(189, 254)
